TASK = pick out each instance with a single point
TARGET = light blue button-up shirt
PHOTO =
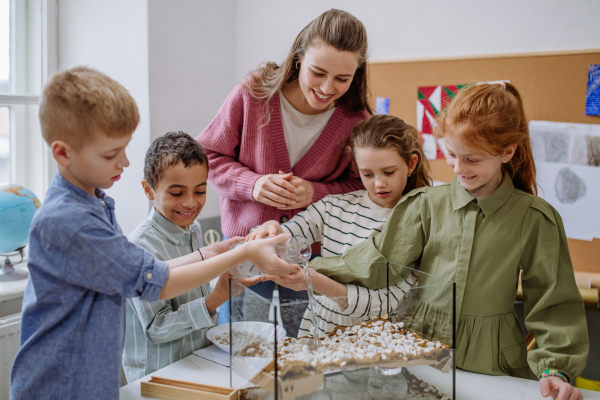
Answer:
(164, 331)
(82, 269)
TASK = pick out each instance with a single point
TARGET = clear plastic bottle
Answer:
(387, 384)
(295, 250)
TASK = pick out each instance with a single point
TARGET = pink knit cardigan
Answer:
(240, 151)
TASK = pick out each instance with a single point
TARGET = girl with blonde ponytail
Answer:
(389, 157)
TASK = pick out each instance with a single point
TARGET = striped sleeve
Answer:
(308, 223)
(160, 322)
(365, 303)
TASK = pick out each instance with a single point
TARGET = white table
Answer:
(469, 386)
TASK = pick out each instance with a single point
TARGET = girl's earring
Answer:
(297, 65)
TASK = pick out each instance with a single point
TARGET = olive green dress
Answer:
(482, 244)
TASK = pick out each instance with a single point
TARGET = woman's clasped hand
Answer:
(284, 191)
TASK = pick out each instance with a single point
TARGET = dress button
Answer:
(284, 219)
(474, 201)
(149, 275)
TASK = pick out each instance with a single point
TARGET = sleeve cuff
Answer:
(354, 300)
(154, 275)
(244, 185)
(197, 314)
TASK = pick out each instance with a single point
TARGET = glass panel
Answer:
(252, 343)
(394, 342)
(4, 144)
(4, 47)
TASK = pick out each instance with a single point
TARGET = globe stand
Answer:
(9, 273)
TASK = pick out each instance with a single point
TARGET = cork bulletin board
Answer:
(553, 87)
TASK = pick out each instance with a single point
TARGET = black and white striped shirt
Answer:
(338, 222)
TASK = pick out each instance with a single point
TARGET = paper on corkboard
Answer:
(592, 100)
(430, 101)
(567, 159)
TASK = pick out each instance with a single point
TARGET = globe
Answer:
(17, 207)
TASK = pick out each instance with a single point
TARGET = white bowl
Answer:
(263, 329)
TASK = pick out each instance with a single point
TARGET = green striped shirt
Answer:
(164, 331)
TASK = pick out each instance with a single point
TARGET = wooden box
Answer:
(170, 389)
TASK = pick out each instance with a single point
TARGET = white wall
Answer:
(427, 28)
(112, 36)
(192, 68)
(180, 59)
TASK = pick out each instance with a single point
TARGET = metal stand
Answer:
(9, 273)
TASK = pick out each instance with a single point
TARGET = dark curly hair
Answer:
(167, 151)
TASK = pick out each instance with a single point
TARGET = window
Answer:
(23, 155)
(4, 88)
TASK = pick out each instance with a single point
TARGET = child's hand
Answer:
(262, 254)
(222, 286)
(293, 281)
(221, 293)
(269, 228)
(559, 390)
(275, 190)
(304, 194)
(219, 248)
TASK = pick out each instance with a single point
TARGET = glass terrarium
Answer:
(396, 342)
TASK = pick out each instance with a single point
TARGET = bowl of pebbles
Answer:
(245, 334)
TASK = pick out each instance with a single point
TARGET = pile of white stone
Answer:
(240, 338)
(360, 342)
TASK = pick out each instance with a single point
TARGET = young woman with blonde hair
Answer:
(295, 118)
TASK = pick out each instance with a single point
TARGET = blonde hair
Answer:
(491, 117)
(335, 28)
(80, 100)
(389, 132)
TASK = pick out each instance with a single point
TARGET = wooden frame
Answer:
(170, 389)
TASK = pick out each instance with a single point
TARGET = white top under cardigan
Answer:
(338, 222)
(300, 130)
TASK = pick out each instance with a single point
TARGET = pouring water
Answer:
(295, 250)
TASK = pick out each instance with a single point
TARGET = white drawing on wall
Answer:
(567, 157)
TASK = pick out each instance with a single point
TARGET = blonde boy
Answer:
(81, 266)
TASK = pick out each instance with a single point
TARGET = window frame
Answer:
(30, 162)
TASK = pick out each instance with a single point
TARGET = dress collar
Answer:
(174, 233)
(489, 205)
